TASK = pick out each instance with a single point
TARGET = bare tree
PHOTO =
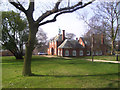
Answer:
(70, 35)
(57, 10)
(105, 20)
(41, 44)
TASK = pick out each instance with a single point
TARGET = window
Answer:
(61, 52)
(50, 50)
(97, 53)
(55, 43)
(100, 52)
(58, 52)
(88, 52)
(55, 51)
(74, 53)
(66, 53)
(52, 43)
(81, 52)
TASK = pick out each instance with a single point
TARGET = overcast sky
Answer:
(68, 22)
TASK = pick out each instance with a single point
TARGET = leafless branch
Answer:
(56, 9)
(31, 6)
(57, 4)
(17, 5)
(61, 11)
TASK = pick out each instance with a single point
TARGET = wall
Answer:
(53, 46)
(77, 52)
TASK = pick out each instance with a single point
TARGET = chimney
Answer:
(63, 35)
(102, 39)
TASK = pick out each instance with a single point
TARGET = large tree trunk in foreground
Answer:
(28, 51)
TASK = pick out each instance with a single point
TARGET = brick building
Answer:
(62, 46)
(5, 53)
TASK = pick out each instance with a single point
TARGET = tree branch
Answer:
(63, 10)
(57, 4)
(66, 10)
(17, 5)
(31, 6)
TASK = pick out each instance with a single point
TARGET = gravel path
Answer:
(103, 61)
(86, 59)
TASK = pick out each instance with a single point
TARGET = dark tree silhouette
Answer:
(14, 33)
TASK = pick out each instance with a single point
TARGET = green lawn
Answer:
(59, 73)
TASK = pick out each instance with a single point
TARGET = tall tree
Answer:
(14, 33)
(57, 10)
(41, 44)
(105, 20)
(70, 35)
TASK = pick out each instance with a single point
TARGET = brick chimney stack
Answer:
(63, 35)
(102, 39)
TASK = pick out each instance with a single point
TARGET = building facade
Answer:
(61, 46)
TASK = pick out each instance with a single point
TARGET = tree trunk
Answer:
(16, 53)
(112, 47)
(29, 50)
(19, 56)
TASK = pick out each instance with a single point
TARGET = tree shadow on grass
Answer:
(74, 75)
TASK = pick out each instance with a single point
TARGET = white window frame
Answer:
(74, 53)
(61, 53)
(66, 52)
(55, 43)
(50, 50)
(100, 52)
(81, 53)
(88, 53)
(55, 50)
(58, 52)
(97, 53)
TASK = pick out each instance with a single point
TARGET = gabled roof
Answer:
(86, 42)
(70, 44)
(57, 38)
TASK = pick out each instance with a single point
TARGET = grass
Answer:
(109, 58)
(59, 73)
